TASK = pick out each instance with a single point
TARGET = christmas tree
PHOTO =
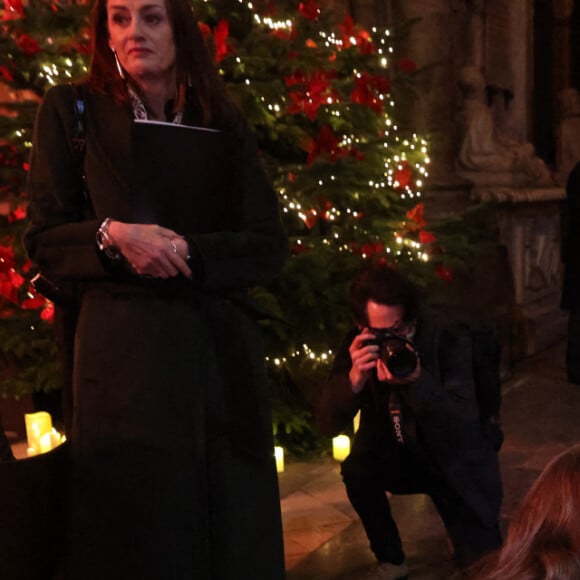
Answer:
(321, 93)
(40, 46)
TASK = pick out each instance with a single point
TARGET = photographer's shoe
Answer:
(388, 571)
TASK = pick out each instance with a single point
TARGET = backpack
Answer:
(486, 361)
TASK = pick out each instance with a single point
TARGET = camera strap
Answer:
(396, 416)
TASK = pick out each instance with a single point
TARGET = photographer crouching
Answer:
(411, 377)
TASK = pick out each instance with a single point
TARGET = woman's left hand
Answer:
(151, 250)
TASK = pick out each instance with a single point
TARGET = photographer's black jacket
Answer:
(440, 415)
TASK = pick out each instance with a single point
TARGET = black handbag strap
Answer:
(79, 139)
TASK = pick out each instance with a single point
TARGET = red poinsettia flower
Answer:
(403, 175)
(283, 33)
(310, 92)
(426, 237)
(415, 214)
(314, 215)
(16, 279)
(407, 65)
(13, 10)
(47, 313)
(6, 74)
(220, 36)
(311, 218)
(204, 29)
(368, 89)
(8, 291)
(6, 259)
(17, 214)
(325, 145)
(365, 43)
(353, 35)
(28, 45)
(369, 250)
(35, 302)
(348, 30)
(309, 9)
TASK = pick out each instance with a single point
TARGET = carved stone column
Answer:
(528, 222)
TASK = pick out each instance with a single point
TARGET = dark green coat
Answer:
(173, 474)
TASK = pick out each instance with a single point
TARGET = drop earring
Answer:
(119, 67)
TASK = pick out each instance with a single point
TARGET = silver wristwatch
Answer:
(105, 243)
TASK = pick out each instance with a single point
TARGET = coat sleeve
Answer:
(337, 404)
(443, 398)
(256, 252)
(59, 238)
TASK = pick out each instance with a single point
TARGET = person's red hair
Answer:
(543, 539)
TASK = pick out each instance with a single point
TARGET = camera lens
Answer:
(400, 360)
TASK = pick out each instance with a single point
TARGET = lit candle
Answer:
(37, 425)
(356, 422)
(45, 442)
(340, 447)
(279, 455)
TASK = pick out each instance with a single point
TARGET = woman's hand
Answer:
(151, 250)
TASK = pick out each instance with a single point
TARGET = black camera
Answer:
(397, 353)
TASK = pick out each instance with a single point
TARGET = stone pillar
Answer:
(438, 44)
(562, 13)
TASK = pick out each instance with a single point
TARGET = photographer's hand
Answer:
(364, 355)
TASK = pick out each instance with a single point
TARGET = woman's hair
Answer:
(382, 284)
(543, 540)
(194, 64)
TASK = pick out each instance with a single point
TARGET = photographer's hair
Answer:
(543, 539)
(195, 67)
(381, 283)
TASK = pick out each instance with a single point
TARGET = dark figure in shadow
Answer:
(5, 449)
(571, 286)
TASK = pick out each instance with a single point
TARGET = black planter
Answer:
(32, 507)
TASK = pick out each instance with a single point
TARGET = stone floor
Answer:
(323, 537)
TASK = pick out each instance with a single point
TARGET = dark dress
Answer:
(571, 284)
(173, 470)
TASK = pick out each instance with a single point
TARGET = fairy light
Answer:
(305, 353)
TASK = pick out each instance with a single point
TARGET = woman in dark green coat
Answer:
(173, 475)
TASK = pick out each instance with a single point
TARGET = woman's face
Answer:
(141, 34)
